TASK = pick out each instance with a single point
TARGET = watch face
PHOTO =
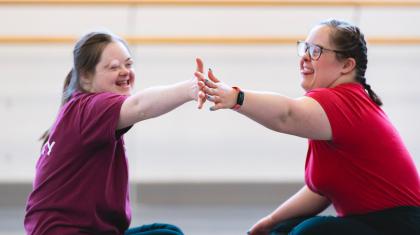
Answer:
(240, 99)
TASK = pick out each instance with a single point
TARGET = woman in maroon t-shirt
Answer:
(81, 183)
(356, 160)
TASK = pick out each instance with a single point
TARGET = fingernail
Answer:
(205, 81)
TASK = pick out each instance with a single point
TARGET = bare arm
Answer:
(301, 117)
(155, 101)
(303, 203)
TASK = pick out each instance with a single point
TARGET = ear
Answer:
(348, 65)
(86, 82)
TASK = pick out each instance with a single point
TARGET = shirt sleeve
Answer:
(340, 112)
(99, 117)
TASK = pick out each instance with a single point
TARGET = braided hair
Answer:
(348, 39)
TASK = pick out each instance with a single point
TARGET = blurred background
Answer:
(208, 172)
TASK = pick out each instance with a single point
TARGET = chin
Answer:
(122, 92)
(308, 84)
(128, 93)
(305, 86)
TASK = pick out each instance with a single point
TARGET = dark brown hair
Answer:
(86, 55)
(350, 41)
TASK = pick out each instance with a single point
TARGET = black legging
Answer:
(400, 220)
(155, 229)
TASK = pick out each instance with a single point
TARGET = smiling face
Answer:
(114, 71)
(327, 70)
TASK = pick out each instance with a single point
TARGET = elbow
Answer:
(137, 111)
(283, 120)
(142, 113)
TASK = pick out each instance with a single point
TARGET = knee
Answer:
(168, 228)
(155, 229)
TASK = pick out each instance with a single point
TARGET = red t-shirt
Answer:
(365, 167)
(81, 182)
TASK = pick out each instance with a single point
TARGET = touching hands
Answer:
(213, 90)
(198, 93)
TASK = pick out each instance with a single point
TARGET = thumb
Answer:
(200, 65)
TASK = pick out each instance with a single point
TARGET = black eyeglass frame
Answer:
(311, 45)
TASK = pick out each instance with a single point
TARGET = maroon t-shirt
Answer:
(366, 166)
(81, 182)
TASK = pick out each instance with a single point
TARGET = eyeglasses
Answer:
(314, 50)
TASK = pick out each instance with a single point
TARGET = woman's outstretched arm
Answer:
(301, 117)
(155, 101)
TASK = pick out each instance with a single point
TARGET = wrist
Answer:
(192, 89)
(239, 98)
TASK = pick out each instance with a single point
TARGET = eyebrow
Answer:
(128, 59)
(315, 44)
(109, 64)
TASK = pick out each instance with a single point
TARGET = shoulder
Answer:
(92, 105)
(83, 97)
(93, 99)
(95, 115)
(347, 106)
(343, 89)
(348, 94)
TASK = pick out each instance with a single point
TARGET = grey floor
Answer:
(193, 219)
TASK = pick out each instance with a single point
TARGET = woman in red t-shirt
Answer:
(81, 182)
(356, 160)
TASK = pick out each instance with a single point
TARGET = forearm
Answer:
(155, 101)
(269, 109)
(303, 203)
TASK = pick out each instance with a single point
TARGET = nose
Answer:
(124, 70)
(306, 56)
(304, 59)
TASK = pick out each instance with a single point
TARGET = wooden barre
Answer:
(332, 3)
(137, 40)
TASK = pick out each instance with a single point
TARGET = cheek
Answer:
(326, 67)
(333, 71)
(105, 79)
(132, 76)
(322, 74)
(327, 75)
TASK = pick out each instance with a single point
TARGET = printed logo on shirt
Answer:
(47, 148)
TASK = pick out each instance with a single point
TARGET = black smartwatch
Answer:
(239, 99)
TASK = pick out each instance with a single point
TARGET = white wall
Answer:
(187, 144)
